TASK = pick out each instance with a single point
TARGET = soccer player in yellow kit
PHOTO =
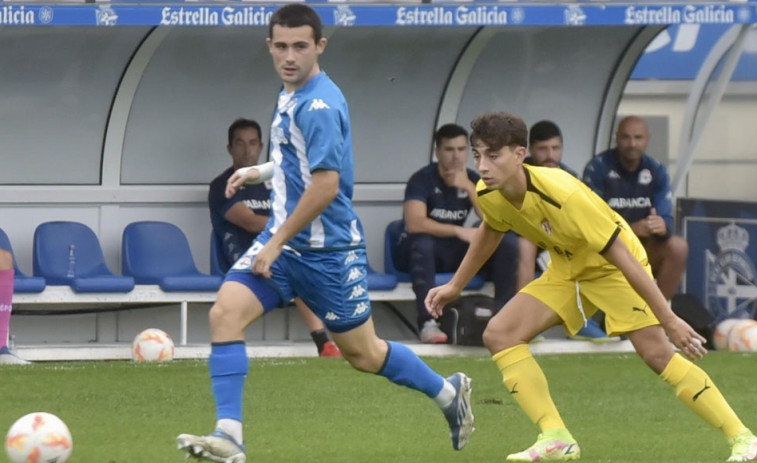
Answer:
(596, 263)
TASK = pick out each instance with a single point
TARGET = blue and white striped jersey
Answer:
(311, 131)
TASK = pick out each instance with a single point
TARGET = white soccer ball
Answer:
(39, 437)
(152, 345)
(743, 336)
(720, 336)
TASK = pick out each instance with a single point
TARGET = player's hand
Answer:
(655, 224)
(439, 297)
(239, 178)
(461, 180)
(465, 234)
(265, 259)
(683, 336)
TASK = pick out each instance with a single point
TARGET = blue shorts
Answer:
(332, 283)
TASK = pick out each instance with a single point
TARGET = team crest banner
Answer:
(720, 272)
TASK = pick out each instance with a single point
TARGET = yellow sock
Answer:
(526, 382)
(695, 389)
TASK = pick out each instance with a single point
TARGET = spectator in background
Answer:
(438, 200)
(237, 221)
(545, 146)
(638, 188)
(6, 306)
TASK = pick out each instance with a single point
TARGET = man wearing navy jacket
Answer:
(638, 188)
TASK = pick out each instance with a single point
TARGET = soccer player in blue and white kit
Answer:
(312, 247)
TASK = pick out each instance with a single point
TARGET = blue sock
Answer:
(228, 365)
(403, 367)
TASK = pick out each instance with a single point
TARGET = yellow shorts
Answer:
(624, 309)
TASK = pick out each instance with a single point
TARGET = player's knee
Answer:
(6, 260)
(678, 249)
(224, 317)
(498, 338)
(362, 361)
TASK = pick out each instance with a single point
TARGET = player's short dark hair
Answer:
(499, 129)
(543, 130)
(296, 15)
(448, 131)
(243, 123)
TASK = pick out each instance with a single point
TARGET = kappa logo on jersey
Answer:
(355, 273)
(546, 226)
(331, 316)
(317, 104)
(645, 177)
(357, 291)
(351, 257)
(360, 309)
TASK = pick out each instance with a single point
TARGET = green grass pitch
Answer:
(320, 410)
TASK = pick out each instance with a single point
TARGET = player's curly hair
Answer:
(499, 129)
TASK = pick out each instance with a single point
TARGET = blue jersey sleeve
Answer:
(594, 176)
(662, 197)
(321, 124)
(418, 187)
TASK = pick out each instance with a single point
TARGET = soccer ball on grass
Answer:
(743, 336)
(720, 336)
(39, 437)
(152, 345)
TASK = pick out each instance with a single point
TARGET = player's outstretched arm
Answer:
(680, 333)
(248, 176)
(483, 244)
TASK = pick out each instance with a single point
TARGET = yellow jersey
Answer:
(562, 215)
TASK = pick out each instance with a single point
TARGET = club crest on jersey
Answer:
(278, 136)
(645, 177)
(546, 227)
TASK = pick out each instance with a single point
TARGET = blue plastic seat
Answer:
(69, 253)
(158, 253)
(380, 281)
(217, 262)
(22, 283)
(391, 237)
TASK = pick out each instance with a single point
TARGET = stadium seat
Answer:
(69, 253)
(391, 236)
(217, 262)
(22, 283)
(380, 281)
(158, 253)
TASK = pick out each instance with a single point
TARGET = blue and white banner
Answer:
(720, 270)
(346, 14)
(678, 52)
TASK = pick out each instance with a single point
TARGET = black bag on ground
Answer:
(695, 314)
(465, 319)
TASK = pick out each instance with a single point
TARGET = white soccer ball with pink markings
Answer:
(152, 345)
(39, 437)
(722, 330)
(743, 336)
